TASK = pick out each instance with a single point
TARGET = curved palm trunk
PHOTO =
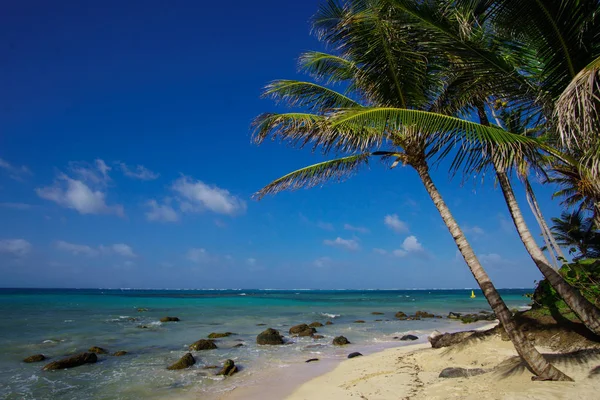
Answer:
(586, 311)
(538, 364)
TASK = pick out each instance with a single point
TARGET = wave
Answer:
(328, 315)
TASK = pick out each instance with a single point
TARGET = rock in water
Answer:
(270, 337)
(328, 323)
(73, 361)
(340, 341)
(184, 362)
(316, 325)
(423, 314)
(409, 337)
(302, 330)
(216, 335)
(35, 358)
(355, 354)
(311, 360)
(401, 315)
(203, 344)
(359, 321)
(97, 350)
(460, 372)
(120, 353)
(318, 336)
(169, 319)
(453, 315)
(377, 313)
(228, 369)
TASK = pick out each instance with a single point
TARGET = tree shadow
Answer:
(516, 366)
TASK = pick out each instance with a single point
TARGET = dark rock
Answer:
(97, 350)
(169, 319)
(378, 320)
(328, 323)
(439, 316)
(239, 345)
(311, 360)
(423, 314)
(318, 336)
(359, 321)
(142, 309)
(453, 315)
(184, 362)
(401, 315)
(203, 344)
(228, 369)
(377, 313)
(461, 372)
(35, 358)
(448, 339)
(409, 337)
(73, 361)
(316, 325)
(216, 335)
(261, 324)
(355, 354)
(340, 341)
(302, 330)
(143, 326)
(120, 353)
(132, 319)
(470, 318)
(270, 337)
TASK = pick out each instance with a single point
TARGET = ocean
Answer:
(61, 322)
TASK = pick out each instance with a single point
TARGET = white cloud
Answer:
(196, 196)
(348, 244)
(16, 206)
(409, 245)
(393, 222)
(323, 262)
(197, 255)
(491, 258)
(16, 173)
(119, 249)
(325, 226)
(138, 172)
(380, 251)
(95, 174)
(161, 212)
(360, 229)
(76, 195)
(15, 247)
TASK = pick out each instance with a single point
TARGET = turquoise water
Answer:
(58, 323)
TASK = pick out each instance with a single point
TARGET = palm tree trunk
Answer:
(536, 213)
(536, 362)
(586, 311)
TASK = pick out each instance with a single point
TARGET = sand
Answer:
(412, 373)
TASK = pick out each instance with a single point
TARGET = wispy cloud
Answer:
(409, 245)
(325, 225)
(393, 222)
(138, 172)
(15, 247)
(17, 206)
(353, 228)
(197, 255)
(161, 212)
(323, 262)
(380, 251)
(14, 172)
(119, 249)
(474, 230)
(197, 196)
(347, 244)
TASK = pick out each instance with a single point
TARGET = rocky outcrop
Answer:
(400, 315)
(461, 372)
(448, 339)
(340, 341)
(203, 344)
(355, 354)
(72, 362)
(97, 350)
(35, 358)
(269, 337)
(409, 337)
(184, 362)
(482, 316)
(169, 319)
(120, 353)
(229, 368)
(423, 314)
(453, 315)
(316, 325)
(217, 335)
(302, 330)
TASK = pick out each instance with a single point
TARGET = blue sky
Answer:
(125, 161)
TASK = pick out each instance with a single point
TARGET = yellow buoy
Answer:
(472, 294)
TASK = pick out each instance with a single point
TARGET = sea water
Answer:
(61, 322)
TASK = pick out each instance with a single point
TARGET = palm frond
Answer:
(327, 67)
(306, 94)
(295, 128)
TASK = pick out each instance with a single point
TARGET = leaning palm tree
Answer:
(391, 82)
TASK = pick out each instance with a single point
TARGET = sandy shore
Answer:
(412, 372)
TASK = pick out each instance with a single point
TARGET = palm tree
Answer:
(574, 231)
(390, 78)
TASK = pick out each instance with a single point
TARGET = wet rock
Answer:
(316, 325)
(453, 315)
(318, 336)
(378, 320)
(448, 339)
(328, 323)
(359, 321)
(355, 354)
(132, 319)
(120, 353)
(210, 367)
(229, 368)
(409, 337)
(311, 360)
(460, 372)
(400, 315)
(269, 337)
(143, 326)
(261, 324)
(423, 314)
(142, 309)
(97, 350)
(377, 313)
(35, 358)
(73, 361)
(169, 319)
(203, 344)
(184, 362)
(340, 341)
(470, 318)
(302, 330)
(239, 345)
(217, 335)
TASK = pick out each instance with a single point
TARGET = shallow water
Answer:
(58, 323)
